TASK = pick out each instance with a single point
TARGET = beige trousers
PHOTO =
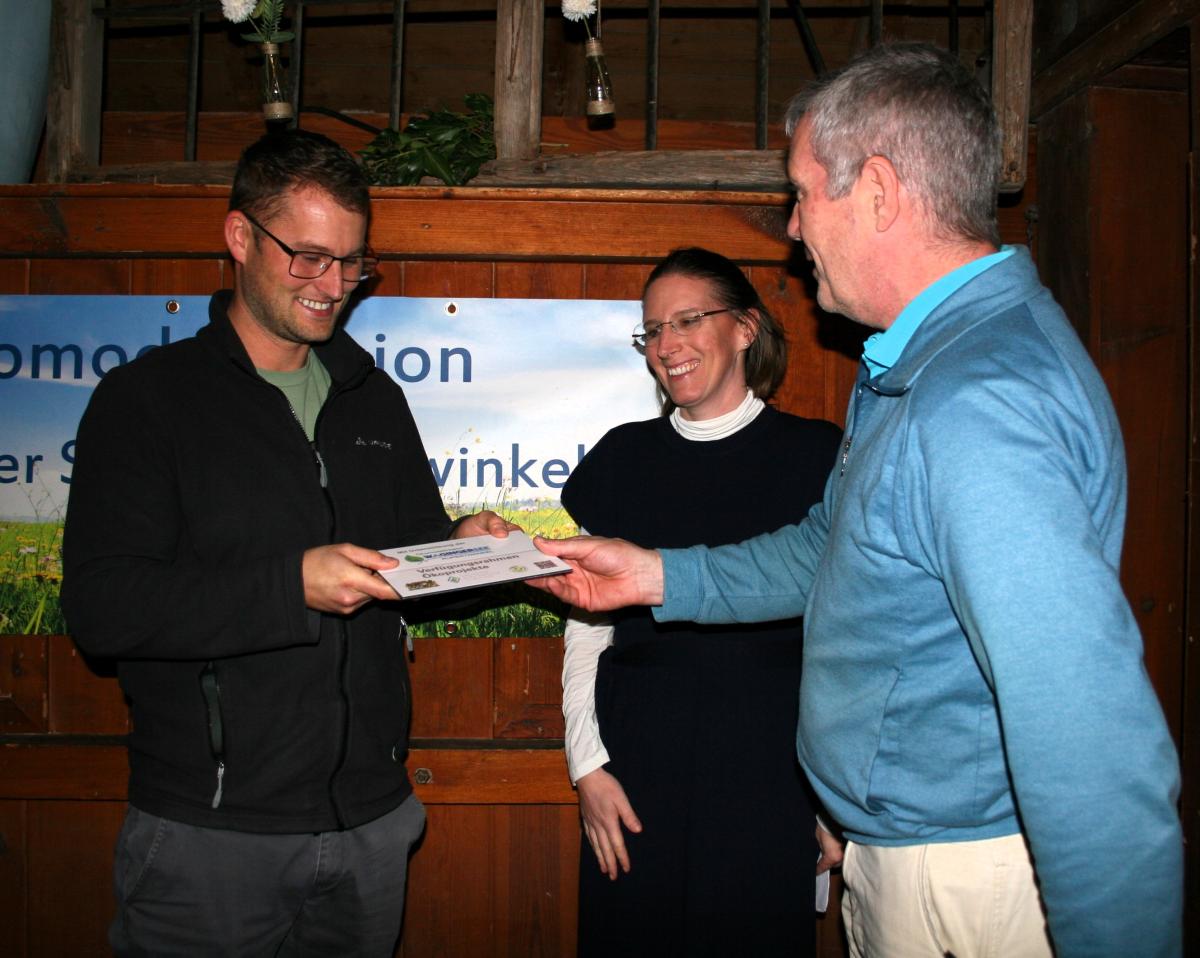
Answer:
(962, 899)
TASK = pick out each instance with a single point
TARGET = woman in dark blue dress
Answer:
(698, 828)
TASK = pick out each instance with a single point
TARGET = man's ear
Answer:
(237, 235)
(881, 186)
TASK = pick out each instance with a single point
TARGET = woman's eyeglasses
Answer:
(682, 324)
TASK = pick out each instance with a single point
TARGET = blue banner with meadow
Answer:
(508, 394)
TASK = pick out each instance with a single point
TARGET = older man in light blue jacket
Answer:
(975, 712)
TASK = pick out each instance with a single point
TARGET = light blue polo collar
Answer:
(882, 350)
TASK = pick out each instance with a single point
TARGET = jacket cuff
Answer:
(681, 578)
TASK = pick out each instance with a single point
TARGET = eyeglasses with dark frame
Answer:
(683, 323)
(309, 264)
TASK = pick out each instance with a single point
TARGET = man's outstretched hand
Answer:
(607, 573)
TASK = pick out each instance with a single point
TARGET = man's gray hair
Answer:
(919, 107)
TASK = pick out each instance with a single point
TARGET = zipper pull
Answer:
(321, 467)
(220, 784)
(845, 454)
(406, 636)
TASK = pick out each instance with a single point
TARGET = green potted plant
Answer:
(442, 144)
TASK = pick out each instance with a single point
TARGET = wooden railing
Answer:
(73, 123)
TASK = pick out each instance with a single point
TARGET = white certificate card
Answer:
(467, 564)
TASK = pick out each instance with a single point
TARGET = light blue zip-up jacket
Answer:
(971, 666)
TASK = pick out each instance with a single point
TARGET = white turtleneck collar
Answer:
(706, 430)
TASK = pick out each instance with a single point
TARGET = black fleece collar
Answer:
(347, 362)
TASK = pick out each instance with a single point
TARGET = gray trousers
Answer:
(189, 891)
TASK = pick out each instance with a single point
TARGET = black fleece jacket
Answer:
(193, 498)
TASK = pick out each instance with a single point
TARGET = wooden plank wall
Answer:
(496, 874)
(1120, 269)
(1118, 220)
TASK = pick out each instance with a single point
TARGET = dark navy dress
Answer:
(700, 721)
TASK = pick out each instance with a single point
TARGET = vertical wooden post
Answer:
(520, 25)
(76, 73)
(296, 66)
(653, 19)
(762, 73)
(195, 41)
(1012, 81)
(396, 102)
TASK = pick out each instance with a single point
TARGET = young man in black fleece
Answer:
(229, 494)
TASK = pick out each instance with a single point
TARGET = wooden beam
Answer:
(73, 106)
(43, 768)
(752, 170)
(759, 171)
(216, 172)
(113, 220)
(519, 31)
(445, 776)
(1012, 49)
(1143, 24)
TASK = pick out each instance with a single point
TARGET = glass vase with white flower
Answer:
(599, 88)
(265, 17)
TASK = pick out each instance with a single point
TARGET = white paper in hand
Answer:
(467, 563)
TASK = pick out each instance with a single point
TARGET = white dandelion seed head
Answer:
(237, 11)
(578, 9)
